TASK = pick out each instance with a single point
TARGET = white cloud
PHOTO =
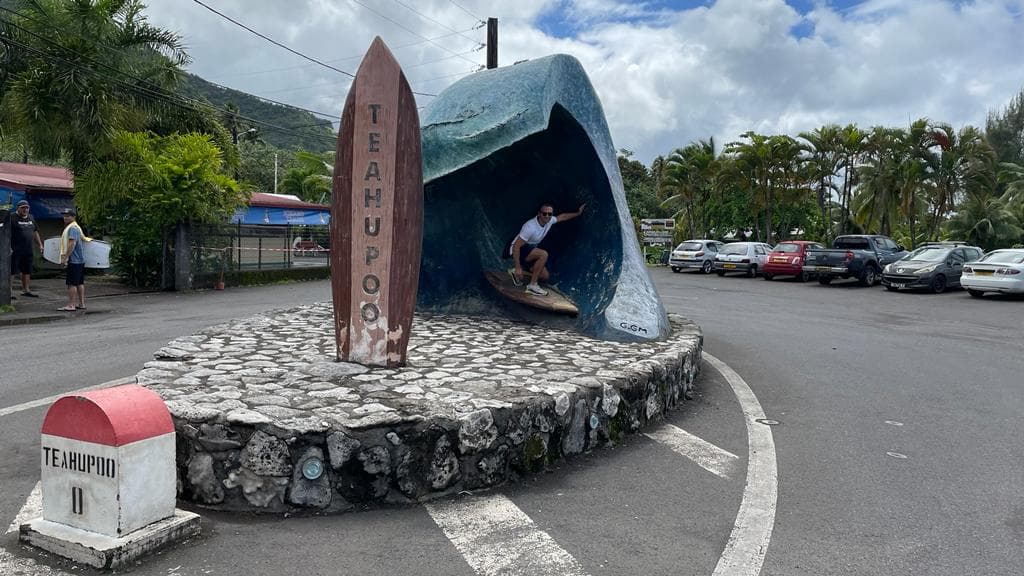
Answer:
(665, 78)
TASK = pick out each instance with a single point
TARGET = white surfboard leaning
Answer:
(97, 252)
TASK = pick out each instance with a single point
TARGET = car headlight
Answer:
(927, 269)
(888, 268)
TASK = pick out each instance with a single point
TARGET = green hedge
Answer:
(257, 277)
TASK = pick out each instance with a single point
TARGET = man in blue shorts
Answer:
(525, 252)
(72, 256)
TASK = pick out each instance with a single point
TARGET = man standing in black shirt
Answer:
(24, 237)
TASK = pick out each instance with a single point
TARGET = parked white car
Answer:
(747, 257)
(997, 271)
(699, 254)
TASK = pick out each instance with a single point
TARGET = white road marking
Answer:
(705, 454)
(752, 531)
(33, 508)
(51, 399)
(11, 564)
(497, 538)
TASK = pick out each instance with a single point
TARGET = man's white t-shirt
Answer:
(532, 232)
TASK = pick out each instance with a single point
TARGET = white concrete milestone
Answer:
(108, 477)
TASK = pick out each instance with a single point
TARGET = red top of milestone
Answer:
(112, 416)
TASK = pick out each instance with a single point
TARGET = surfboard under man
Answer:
(525, 252)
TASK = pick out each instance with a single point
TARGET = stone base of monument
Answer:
(268, 421)
(100, 551)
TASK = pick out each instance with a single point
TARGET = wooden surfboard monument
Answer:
(376, 214)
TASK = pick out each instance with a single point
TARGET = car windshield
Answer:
(787, 248)
(1004, 257)
(852, 243)
(928, 254)
(734, 249)
(689, 246)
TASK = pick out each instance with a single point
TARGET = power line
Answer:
(258, 97)
(357, 56)
(474, 16)
(278, 44)
(172, 99)
(272, 41)
(152, 87)
(421, 14)
(407, 29)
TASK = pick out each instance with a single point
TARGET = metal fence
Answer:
(246, 247)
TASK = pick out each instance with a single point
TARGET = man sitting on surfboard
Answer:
(525, 252)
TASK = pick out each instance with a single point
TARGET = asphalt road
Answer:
(898, 443)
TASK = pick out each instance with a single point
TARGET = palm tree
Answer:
(687, 181)
(1012, 176)
(78, 71)
(852, 141)
(986, 221)
(876, 203)
(311, 179)
(963, 163)
(823, 144)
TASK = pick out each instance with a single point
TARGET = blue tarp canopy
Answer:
(281, 216)
(42, 205)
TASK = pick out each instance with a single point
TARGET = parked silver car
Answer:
(697, 254)
(746, 257)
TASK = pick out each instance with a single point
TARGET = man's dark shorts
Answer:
(75, 274)
(21, 263)
(524, 251)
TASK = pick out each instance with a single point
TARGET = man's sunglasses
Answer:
(546, 213)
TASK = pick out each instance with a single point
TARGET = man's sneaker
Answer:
(535, 289)
(515, 277)
(30, 295)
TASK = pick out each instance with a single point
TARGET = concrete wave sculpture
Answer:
(496, 145)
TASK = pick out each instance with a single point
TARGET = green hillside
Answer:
(304, 130)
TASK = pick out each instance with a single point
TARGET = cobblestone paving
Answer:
(254, 398)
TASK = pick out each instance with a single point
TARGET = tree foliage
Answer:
(299, 129)
(920, 183)
(77, 71)
(150, 184)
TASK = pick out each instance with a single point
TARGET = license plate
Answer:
(728, 265)
(897, 285)
(983, 272)
(778, 259)
(822, 268)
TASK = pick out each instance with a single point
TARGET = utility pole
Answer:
(275, 172)
(492, 43)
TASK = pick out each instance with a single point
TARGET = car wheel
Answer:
(752, 271)
(824, 280)
(892, 289)
(867, 277)
(975, 293)
(720, 272)
(706, 268)
(803, 277)
(938, 284)
(767, 276)
(675, 268)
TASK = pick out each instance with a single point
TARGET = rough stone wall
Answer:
(247, 418)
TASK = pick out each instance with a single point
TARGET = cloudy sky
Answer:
(667, 71)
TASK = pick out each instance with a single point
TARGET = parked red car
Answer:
(787, 259)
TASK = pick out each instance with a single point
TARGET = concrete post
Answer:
(5, 258)
(182, 257)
